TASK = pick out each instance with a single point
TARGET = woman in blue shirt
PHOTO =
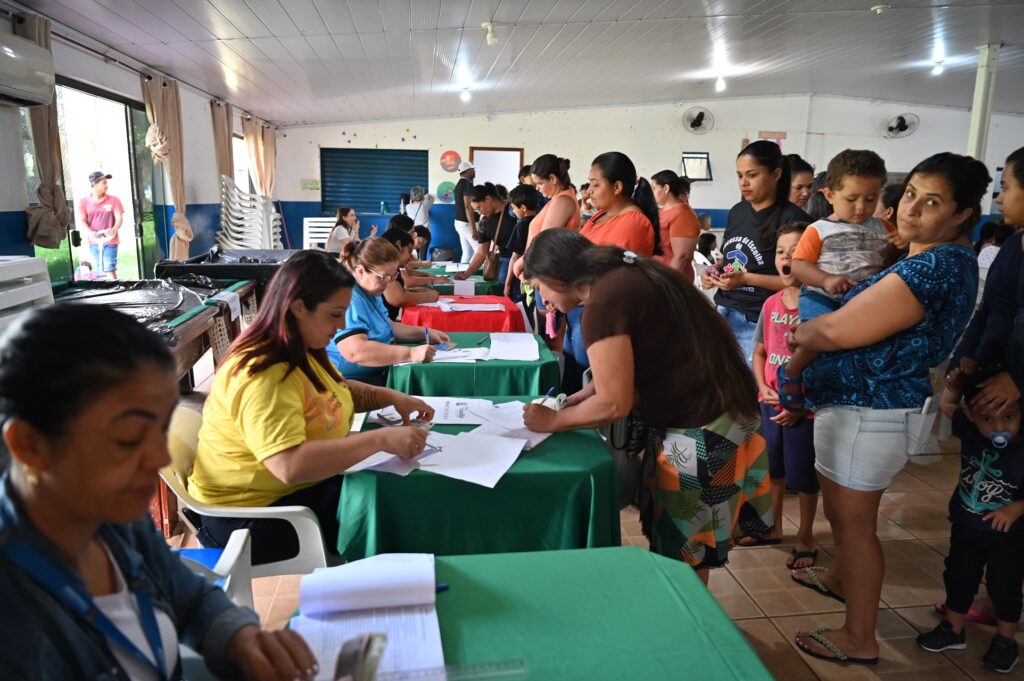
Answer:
(88, 588)
(367, 346)
(872, 378)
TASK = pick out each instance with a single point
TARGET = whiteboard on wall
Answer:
(499, 165)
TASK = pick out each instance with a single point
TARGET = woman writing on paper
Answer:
(658, 350)
(276, 424)
(89, 588)
(366, 346)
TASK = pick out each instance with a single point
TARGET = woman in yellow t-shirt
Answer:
(276, 423)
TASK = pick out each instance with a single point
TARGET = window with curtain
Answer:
(240, 159)
(366, 178)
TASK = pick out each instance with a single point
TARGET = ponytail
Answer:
(769, 156)
(372, 252)
(547, 165)
(643, 197)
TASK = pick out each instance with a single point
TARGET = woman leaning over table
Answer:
(658, 350)
(366, 347)
(276, 424)
(869, 383)
(88, 588)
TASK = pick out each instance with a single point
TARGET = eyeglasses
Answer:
(384, 278)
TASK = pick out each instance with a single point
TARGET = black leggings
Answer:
(275, 540)
(1000, 555)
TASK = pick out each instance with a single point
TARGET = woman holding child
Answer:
(869, 384)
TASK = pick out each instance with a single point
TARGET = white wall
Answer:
(13, 192)
(817, 127)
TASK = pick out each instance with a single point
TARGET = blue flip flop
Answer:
(789, 401)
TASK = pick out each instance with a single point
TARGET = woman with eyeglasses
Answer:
(368, 345)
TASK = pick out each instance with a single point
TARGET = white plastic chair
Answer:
(183, 439)
(233, 571)
(316, 231)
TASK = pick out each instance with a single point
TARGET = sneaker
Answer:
(1002, 655)
(942, 638)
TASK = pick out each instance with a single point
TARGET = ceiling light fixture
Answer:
(465, 96)
(939, 57)
(938, 69)
(720, 84)
(878, 9)
(491, 38)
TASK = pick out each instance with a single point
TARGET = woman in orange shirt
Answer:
(550, 175)
(626, 210)
(679, 224)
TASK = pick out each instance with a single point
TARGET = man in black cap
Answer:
(99, 219)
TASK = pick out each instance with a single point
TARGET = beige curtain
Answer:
(49, 220)
(164, 139)
(261, 140)
(221, 112)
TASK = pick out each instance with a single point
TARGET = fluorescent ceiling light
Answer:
(720, 84)
(465, 96)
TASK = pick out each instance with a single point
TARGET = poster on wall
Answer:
(450, 161)
(772, 136)
(446, 192)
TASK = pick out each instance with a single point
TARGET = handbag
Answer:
(492, 265)
(628, 439)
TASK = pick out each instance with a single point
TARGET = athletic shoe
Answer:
(942, 638)
(1002, 655)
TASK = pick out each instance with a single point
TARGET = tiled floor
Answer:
(755, 589)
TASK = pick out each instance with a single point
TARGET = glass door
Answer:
(143, 174)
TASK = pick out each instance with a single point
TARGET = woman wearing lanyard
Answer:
(366, 347)
(276, 423)
(89, 588)
(658, 350)
(749, 240)
(679, 224)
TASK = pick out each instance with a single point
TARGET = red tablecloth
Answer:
(509, 319)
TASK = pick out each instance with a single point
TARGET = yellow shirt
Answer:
(248, 418)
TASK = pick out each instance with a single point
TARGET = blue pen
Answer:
(551, 393)
(441, 588)
(426, 335)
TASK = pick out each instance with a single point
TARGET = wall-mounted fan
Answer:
(698, 120)
(903, 125)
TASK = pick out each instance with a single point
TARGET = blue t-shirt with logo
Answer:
(990, 478)
(366, 315)
(893, 373)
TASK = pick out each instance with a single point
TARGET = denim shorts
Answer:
(861, 448)
(743, 329)
(790, 452)
(108, 263)
(814, 304)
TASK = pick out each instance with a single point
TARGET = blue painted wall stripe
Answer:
(13, 224)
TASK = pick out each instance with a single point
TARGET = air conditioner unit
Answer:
(26, 72)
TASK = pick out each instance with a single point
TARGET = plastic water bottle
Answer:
(383, 207)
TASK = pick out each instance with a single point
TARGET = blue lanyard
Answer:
(70, 592)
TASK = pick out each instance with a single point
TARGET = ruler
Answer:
(500, 669)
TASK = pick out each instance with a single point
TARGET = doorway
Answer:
(101, 133)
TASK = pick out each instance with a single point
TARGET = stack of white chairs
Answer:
(247, 220)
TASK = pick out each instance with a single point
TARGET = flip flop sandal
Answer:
(817, 635)
(797, 555)
(758, 540)
(793, 402)
(815, 584)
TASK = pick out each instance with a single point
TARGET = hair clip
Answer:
(629, 257)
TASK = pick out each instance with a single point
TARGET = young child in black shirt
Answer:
(524, 201)
(987, 516)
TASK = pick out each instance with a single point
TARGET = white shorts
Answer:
(863, 449)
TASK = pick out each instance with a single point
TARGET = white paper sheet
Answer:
(448, 411)
(472, 307)
(387, 580)
(456, 267)
(461, 355)
(519, 347)
(532, 439)
(480, 459)
(441, 302)
(358, 421)
(508, 415)
(233, 301)
(464, 288)
(414, 637)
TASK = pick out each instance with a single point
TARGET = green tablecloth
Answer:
(492, 377)
(560, 495)
(614, 613)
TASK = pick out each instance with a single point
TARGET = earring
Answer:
(31, 476)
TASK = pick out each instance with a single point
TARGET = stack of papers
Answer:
(456, 267)
(520, 347)
(470, 307)
(448, 411)
(392, 593)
